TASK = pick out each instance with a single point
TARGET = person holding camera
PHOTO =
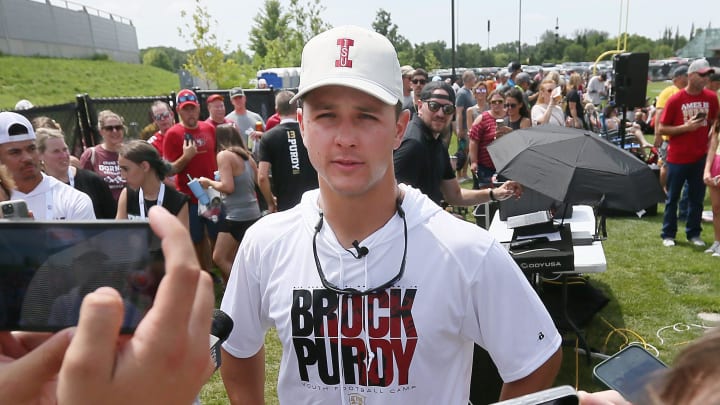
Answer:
(47, 198)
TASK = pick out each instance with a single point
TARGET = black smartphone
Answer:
(563, 395)
(47, 267)
(189, 137)
(700, 116)
(628, 371)
(14, 209)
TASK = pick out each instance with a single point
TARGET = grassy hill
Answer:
(47, 81)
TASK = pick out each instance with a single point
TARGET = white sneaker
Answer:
(713, 248)
(668, 242)
(696, 241)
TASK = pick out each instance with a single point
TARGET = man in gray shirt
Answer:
(245, 120)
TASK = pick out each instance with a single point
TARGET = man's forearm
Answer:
(180, 164)
(673, 130)
(265, 189)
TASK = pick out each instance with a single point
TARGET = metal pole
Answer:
(452, 27)
(519, 31)
(488, 37)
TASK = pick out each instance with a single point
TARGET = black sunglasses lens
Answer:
(447, 108)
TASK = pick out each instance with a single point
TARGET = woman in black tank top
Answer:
(517, 111)
(144, 171)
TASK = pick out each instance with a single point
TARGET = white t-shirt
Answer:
(460, 287)
(595, 88)
(557, 117)
(52, 200)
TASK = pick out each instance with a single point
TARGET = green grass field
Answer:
(47, 81)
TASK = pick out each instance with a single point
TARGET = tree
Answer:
(384, 26)
(158, 58)
(575, 53)
(271, 24)
(425, 58)
(207, 62)
(306, 24)
(277, 37)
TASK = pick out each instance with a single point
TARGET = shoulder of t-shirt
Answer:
(204, 126)
(174, 130)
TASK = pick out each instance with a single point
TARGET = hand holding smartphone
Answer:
(14, 209)
(628, 371)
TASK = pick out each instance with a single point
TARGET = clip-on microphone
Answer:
(362, 251)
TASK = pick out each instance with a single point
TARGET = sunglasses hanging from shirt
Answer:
(353, 291)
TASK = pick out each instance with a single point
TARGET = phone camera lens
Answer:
(8, 209)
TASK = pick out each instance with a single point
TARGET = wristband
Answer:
(492, 196)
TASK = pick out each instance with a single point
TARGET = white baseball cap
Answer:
(352, 57)
(14, 127)
(700, 66)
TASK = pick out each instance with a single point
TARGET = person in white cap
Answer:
(686, 119)
(23, 105)
(47, 198)
(376, 293)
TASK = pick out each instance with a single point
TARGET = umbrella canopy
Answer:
(576, 166)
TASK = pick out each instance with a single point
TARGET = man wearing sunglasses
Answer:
(163, 119)
(419, 80)
(407, 74)
(422, 161)
(190, 146)
(376, 293)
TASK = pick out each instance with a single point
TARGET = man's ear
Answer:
(400, 127)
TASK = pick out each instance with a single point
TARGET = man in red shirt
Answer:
(164, 119)
(686, 119)
(190, 146)
(216, 110)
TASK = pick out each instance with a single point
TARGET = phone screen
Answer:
(46, 268)
(628, 371)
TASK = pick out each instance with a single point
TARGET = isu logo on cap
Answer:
(345, 44)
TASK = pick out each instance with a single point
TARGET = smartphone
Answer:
(47, 267)
(563, 395)
(628, 371)
(189, 137)
(700, 116)
(14, 209)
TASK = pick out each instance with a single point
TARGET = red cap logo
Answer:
(345, 44)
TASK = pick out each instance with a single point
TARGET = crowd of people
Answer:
(376, 293)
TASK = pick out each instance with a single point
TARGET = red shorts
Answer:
(715, 169)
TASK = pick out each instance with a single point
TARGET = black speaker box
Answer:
(631, 76)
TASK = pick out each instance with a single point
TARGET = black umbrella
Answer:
(576, 166)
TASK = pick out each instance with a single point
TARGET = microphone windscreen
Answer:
(222, 324)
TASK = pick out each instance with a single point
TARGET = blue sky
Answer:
(424, 20)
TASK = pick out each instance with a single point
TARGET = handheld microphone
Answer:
(362, 251)
(220, 329)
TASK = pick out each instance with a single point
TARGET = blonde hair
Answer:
(43, 134)
(552, 76)
(574, 81)
(105, 115)
(6, 181)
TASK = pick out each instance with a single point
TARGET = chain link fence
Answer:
(79, 119)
